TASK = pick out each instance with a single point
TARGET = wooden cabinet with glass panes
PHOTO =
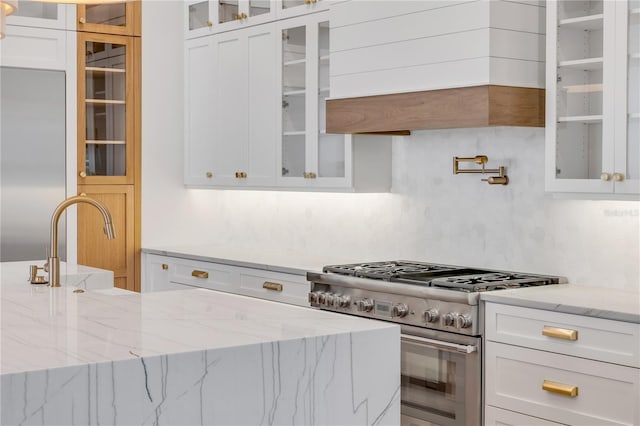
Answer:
(122, 18)
(109, 141)
(593, 72)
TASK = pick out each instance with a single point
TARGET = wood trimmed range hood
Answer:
(477, 106)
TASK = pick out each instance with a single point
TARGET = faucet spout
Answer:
(53, 260)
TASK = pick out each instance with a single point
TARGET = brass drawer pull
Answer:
(560, 333)
(165, 266)
(560, 388)
(272, 286)
(199, 274)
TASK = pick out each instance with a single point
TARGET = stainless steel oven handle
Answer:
(439, 344)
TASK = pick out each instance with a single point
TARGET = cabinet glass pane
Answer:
(633, 87)
(198, 15)
(227, 11)
(580, 89)
(113, 14)
(259, 7)
(294, 61)
(105, 109)
(286, 4)
(331, 150)
(35, 9)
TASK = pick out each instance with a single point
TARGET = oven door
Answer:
(440, 383)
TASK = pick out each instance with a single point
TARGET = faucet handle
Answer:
(34, 278)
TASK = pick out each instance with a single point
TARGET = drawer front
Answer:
(539, 384)
(287, 288)
(587, 337)
(498, 417)
(203, 274)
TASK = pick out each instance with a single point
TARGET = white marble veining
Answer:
(598, 302)
(277, 260)
(192, 357)
(14, 277)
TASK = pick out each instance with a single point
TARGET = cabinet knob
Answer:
(83, 194)
(165, 266)
(310, 175)
(209, 175)
(209, 24)
(83, 174)
(605, 177)
(82, 20)
(618, 177)
(243, 15)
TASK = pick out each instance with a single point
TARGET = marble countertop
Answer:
(14, 277)
(289, 262)
(55, 327)
(613, 304)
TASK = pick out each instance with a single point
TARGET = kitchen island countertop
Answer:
(607, 303)
(191, 356)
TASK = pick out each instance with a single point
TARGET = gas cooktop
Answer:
(442, 276)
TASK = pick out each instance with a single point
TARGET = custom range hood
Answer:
(409, 65)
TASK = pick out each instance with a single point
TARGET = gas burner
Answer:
(489, 282)
(387, 271)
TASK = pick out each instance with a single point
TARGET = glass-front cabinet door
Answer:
(211, 16)
(592, 110)
(289, 8)
(105, 108)
(39, 14)
(110, 18)
(627, 150)
(309, 156)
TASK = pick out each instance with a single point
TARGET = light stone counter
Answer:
(613, 304)
(288, 262)
(14, 277)
(191, 357)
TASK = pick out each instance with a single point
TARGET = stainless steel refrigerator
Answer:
(32, 160)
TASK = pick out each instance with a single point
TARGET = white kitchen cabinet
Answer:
(255, 114)
(291, 8)
(593, 97)
(230, 93)
(213, 16)
(161, 273)
(43, 15)
(556, 367)
(308, 157)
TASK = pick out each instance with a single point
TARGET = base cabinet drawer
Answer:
(202, 274)
(287, 288)
(494, 416)
(586, 337)
(561, 388)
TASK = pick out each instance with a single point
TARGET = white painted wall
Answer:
(431, 215)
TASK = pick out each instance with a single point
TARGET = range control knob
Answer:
(322, 297)
(399, 310)
(448, 319)
(313, 297)
(432, 315)
(341, 302)
(328, 299)
(364, 305)
(463, 321)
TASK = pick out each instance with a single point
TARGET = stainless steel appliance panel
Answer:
(32, 160)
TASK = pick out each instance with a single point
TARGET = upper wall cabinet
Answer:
(593, 108)
(112, 18)
(42, 15)
(289, 8)
(212, 16)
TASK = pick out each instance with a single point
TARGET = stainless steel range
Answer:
(438, 311)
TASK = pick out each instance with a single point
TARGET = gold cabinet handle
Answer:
(209, 175)
(165, 266)
(241, 175)
(605, 177)
(272, 286)
(82, 174)
(560, 333)
(618, 177)
(209, 24)
(82, 20)
(560, 388)
(199, 274)
(310, 175)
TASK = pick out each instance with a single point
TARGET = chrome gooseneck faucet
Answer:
(54, 261)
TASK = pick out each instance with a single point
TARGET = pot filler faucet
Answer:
(54, 261)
